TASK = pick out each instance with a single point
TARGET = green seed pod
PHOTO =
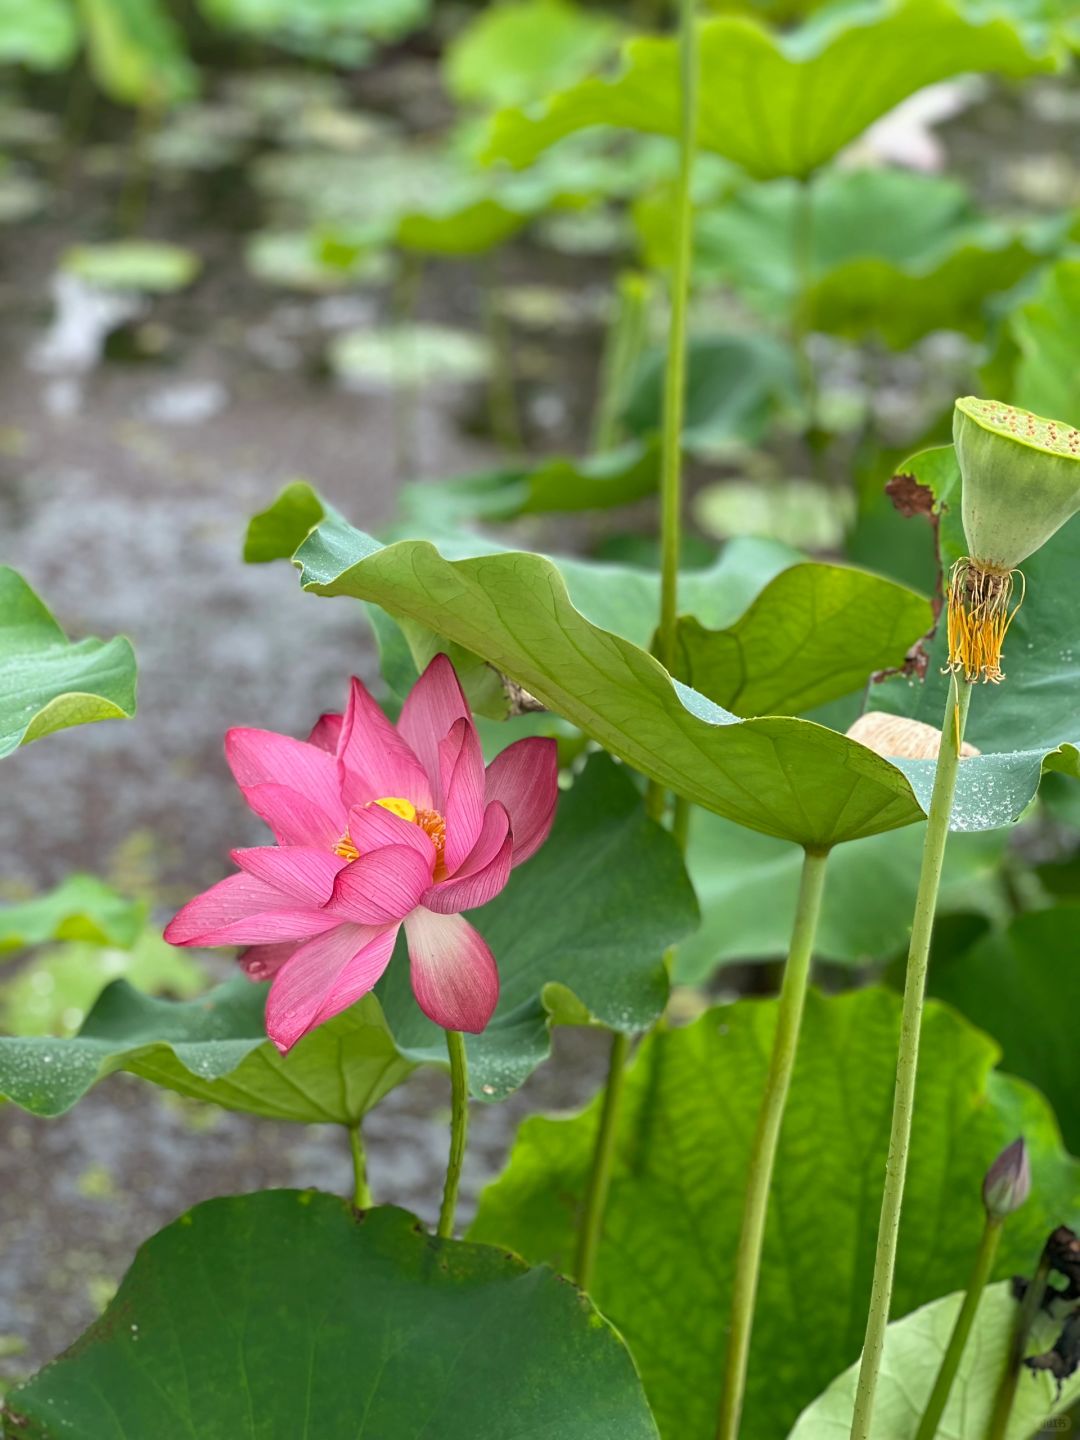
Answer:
(1021, 480)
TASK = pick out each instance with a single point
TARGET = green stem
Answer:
(675, 377)
(671, 514)
(404, 300)
(1006, 1392)
(803, 254)
(361, 1190)
(603, 1156)
(622, 351)
(766, 1138)
(954, 1353)
(502, 397)
(459, 1129)
(937, 833)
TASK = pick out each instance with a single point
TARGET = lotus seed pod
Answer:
(1021, 480)
(1008, 1181)
(896, 738)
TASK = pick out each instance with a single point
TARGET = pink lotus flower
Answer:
(377, 826)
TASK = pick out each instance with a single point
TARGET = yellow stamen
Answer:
(980, 611)
(430, 821)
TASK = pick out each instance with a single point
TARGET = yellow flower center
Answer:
(430, 821)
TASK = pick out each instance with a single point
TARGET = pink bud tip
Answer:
(1008, 1181)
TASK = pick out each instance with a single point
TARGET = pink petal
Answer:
(380, 887)
(326, 732)
(461, 765)
(241, 910)
(324, 977)
(429, 712)
(525, 778)
(294, 819)
(374, 760)
(453, 972)
(371, 827)
(305, 874)
(484, 873)
(259, 962)
(259, 757)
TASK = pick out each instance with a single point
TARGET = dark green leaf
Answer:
(48, 682)
(287, 1313)
(1047, 331)
(673, 1214)
(1022, 986)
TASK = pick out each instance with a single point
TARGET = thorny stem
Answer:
(766, 1139)
(937, 833)
(459, 1129)
(670, 520)
(361, 1190)
(998, 1423)
(954, 1352)
(603, 1156)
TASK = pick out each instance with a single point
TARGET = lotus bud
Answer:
(1021, 482)
(1008, 1181)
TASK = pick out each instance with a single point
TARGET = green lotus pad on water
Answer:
(1021, 479)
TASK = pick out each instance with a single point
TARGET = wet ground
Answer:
(124, 493)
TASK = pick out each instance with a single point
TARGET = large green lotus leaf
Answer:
(336, 32)
(578, 934)
(914, 1348)
(151, 266)
(213, 1048)
(616, 477)
(887, 252)
(1047, 331)
(43, 35)
(136, 52)
(48, 682)
(1022, 985)
(81, 907)
(288, 1313)
(522, 50)
(673, 1216)
(782, 105)
(1029, 722)
(786, 777)
(747, 884)
(814, 634)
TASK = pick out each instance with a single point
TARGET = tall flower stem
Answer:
(361, 1189)
(603, 1157)
(937, 833)
(622, 351)
(954, 1351)
(670, 521)
(998, 1423)
(766, 1139)
(459, 1129)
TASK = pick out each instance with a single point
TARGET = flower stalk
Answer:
(1006, 1187)
(361, 1190)
(998, 1423)
(937, 834)
(670, 523)
(459, 1130)
(766, 1140)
